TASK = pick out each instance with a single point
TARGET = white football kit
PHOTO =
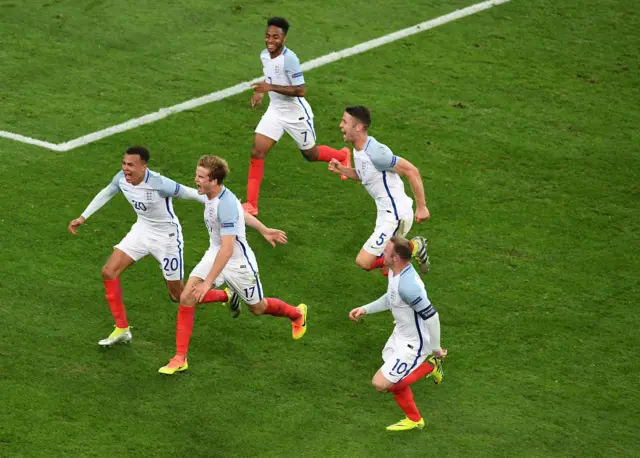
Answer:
(417, 331)
(157, 230)
(286, 114)
(223, 215)
(374, 166)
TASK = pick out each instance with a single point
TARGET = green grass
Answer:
(523, 121)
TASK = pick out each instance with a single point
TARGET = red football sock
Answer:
(378, 263)
(276, 307)
(404, 398)
(256, 172)
(215, 295)
(114, 299)
(421, 371)
(184, 326)
(326, 153)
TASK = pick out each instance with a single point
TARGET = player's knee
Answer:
(363, 263)
(109, 273)
(258, 309)
(175, 297)
(379, 387)
(186, 298)
(309, 154)
(258, 153)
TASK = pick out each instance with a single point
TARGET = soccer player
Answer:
(288, 110)
(381, 172)
(413, 350)
(229, 260)
(157, 231)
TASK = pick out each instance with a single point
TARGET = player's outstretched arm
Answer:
(185, 192)
(96, 204)
(169, 188)
(407, 169)
(336, 167)
(379, 305)
(273, 236)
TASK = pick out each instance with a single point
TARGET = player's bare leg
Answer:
(117, 263)
(277, 307)
(175, 288)
(368, 261)
(261, 147)
(310, 154)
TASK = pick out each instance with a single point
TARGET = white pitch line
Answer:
(29, 140)
(241, 87)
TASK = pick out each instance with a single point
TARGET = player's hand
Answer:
(274, 236)
(75, 223)
(357, 313)
(261, 87)
(256, 99)
(334, 166)
(200, 290)
(440, 354)
(422, 214)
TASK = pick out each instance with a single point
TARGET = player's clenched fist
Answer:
(75, 223)
(422, 214)
(357, 313)
(334, 166)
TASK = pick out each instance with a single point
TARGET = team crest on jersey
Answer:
(392, 295)
(277, 69)
(148, 195)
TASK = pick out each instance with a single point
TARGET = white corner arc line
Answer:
(245, 86)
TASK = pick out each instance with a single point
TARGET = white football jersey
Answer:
(285, 70)
(410, 305)
(374, 166)
(223, 215)
(151, 200)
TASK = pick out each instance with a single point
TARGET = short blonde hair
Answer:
(218, 167)
(402, 247)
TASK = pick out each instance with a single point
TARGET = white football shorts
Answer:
(272, 125)
(385, 229)
(241, 278)
(401, 358)
(167, 248)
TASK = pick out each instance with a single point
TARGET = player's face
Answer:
(134, 168)
(274, 39)
(204, 185)
(389, 255)
(349, 127)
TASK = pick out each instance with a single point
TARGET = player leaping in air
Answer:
(229, 260)
(413, 350)
(381, 172)
(157, 232)
(288, 110)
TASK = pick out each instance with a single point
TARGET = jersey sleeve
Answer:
(413, 293)
(293, 70)
(382, 158)
(166, 187)
(103, 196)
(228, 216)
